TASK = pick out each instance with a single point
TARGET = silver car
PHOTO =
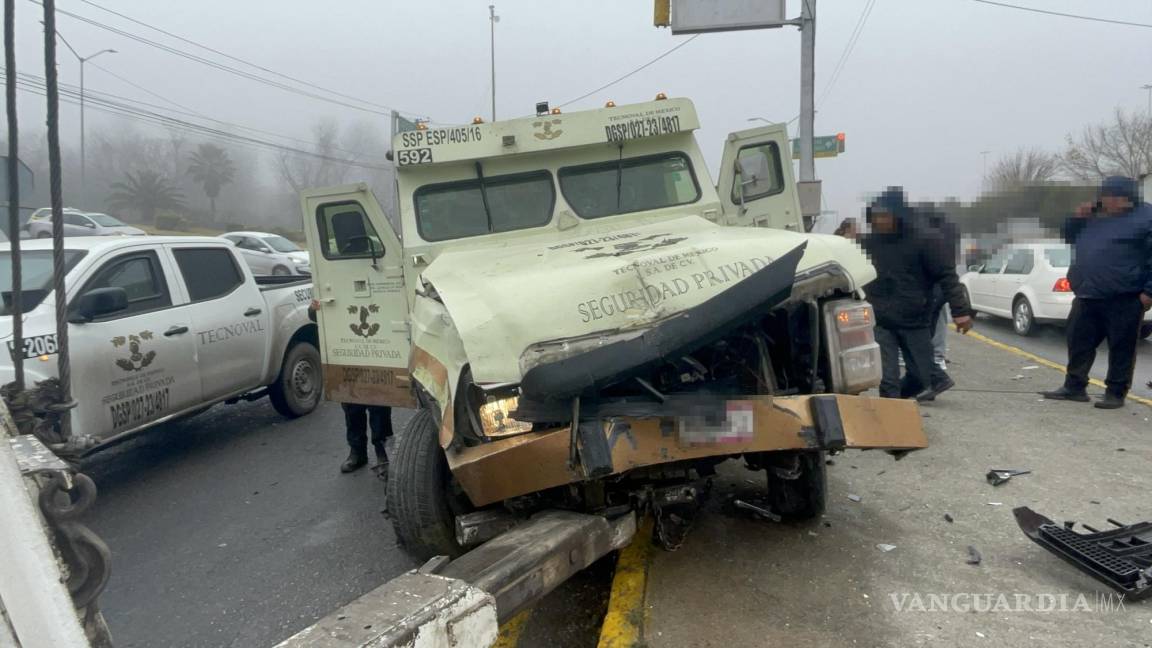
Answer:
(78, 223)
(270, 254)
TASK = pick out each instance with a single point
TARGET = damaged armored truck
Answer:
(584, 320)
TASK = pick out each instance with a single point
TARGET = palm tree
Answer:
(146, 192)
(212, 168)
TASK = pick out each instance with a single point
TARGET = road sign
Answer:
(702, 16)
(824, 146)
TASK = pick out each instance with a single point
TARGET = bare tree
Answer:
(1122, 147)
(1024, 168)
(321, 168)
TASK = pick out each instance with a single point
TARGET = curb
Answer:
(511, 630)
(1045, 362)
(623, 625)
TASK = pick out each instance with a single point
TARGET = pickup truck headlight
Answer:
(853, 353)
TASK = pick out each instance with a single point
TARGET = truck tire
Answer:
(802, 498)
(420, 491)
(297, 389)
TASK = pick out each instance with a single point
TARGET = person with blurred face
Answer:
(848, 229)
(1111, 276)
(910, 262)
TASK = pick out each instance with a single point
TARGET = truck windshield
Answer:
(629, 185)
(36, 277)
(484, 206)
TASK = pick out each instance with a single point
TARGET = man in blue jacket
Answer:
(1111, 276)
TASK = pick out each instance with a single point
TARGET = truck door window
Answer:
(346, 232)
(629, 185)
(758, 172)
(209, 273)
(473, 207)
(140, 276)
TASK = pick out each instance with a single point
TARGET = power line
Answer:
(220, 66)
(36, 85)
(1064, 15)
(849, 47)
(612, 83)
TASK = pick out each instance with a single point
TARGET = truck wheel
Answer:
(421, 497)
(801, 498)
(296, 391)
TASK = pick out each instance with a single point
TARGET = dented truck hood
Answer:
(503, 300)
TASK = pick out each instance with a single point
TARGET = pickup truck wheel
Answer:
(804, 496)
(422, 497)
(297, 391)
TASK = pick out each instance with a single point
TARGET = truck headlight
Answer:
(853, 353)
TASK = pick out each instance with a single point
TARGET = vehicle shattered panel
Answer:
(536, 461)
(621, 280)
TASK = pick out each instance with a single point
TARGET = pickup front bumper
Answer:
(604, 446)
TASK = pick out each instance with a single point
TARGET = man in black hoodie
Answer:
(910, 261)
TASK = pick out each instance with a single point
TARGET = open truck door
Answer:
(358, 279)
(756, 186)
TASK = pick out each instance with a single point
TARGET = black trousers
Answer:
(1091, 322)
(916, 346)
(357, 420)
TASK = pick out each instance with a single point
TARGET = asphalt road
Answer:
(236, 529)
(1049, 343)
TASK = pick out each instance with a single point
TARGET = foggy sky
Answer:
(930, 84)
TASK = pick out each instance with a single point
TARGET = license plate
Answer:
(737, 427)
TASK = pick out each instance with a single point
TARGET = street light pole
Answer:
(82, 60)
(493, 18)
(807, 88)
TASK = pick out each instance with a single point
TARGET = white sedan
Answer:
(270, 254)
(1028, 283)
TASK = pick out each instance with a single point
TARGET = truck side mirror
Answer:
(96, 303)
(370, 244)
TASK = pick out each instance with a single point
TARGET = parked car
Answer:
(1028, 283)
(160, 328)
(79, 223)
(271, 254)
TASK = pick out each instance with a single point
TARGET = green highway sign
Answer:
(822, 147)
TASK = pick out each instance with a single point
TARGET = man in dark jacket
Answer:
(1111, 276)
(910, 261)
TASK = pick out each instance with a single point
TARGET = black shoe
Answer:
(355, 461)
(1066, 394)
(1110, 401)
(936, 390)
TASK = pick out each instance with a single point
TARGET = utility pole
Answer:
(807, 88)
(83, 60)
(1148, 87)
(493, 18)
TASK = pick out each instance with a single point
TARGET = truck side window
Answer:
(209, 273)
(758, 172)
(346, 232)
(140, 276)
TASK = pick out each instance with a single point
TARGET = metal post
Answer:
(83, 159)
(14, 192)
(807, 88)
(492, 17)
(64, 369)
(1148, 87)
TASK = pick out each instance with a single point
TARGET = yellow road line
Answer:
(623, 625)
(510, 632)
(1045, 362)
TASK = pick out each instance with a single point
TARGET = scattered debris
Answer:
(750, 481)
(1018, 377)
(762, 512)
(980, 634)
(854, 497)
(1030, 367)
(1117, 557)
(1093, 502)
(813, 534)
(974, 556)
(885, 547)
(852, 467)
(881, 473)
(1119, 449)
(828, 524)
(829, 462)
(998, 476)
(948, 518)
(995, 503)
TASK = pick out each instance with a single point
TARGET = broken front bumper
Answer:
(536, 461)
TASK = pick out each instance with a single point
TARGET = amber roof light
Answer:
(660, 96)
(477, 120)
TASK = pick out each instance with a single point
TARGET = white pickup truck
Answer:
(161, 327)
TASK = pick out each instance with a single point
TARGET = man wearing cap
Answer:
(1111, 276)
(910, 261)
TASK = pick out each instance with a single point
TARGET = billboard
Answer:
(702, 16)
